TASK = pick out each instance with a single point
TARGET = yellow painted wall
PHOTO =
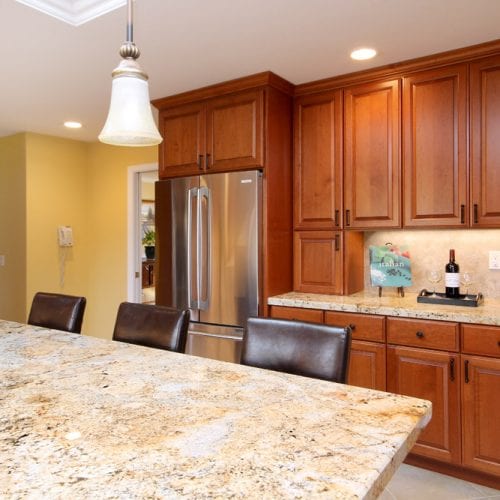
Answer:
(13, 228)
(107, 221)
(56, 194)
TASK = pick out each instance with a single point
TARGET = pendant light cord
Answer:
(130, 23)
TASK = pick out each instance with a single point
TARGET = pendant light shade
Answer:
(130, 120)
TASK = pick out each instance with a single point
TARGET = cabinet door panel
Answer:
(235, 131)
(183, 146)
(318, 161)
(372, 155)
(297, 313)
(435, 140)
(364, 326)
(481, 413)
(318, 261)
(367, 365)
(485, 147)
(434, 376)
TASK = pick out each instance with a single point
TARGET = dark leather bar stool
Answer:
(57, 311)
(308, 349)
(152, 326)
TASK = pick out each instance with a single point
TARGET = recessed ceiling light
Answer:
(362, 54)
(73, 124)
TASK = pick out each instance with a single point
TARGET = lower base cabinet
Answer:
(431, 375)
(456, 366)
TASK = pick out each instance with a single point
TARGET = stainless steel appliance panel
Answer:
(228, 247)
(177, 229)
(215, 342)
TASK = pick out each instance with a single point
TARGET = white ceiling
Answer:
(52, 72)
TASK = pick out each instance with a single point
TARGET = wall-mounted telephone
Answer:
(65, 236)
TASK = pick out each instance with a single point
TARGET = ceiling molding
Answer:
(74, 12)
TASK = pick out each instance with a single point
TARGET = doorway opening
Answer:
(141, 233)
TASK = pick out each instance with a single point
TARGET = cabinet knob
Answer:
(420, 334)
(352, 326)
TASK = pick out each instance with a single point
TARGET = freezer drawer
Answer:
(221, 343)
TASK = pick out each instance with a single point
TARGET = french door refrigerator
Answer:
(208, 230)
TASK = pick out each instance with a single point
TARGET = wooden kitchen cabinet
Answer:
(372, 162)
(481, 397)
(318, 161)
(328, 262)
(367, 364)
(426, 369)
(485, 148)
(435, 147)
(219, 134)
(431, 375)
(318, 261)
(297, 314)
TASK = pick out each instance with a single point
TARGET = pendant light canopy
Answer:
(130, 121)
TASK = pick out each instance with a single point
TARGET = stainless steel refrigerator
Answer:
(208, 230)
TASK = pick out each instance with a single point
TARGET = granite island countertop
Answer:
(83, 417)
(368, 302)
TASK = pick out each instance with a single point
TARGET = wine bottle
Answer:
(452, 277)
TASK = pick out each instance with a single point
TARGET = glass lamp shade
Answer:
(130, 121)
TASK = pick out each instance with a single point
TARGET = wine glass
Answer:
(467, 279)
(434, 276)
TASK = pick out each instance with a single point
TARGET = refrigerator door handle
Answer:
(193, 199)
(204, 245)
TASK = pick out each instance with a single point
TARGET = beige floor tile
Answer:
(413, 483)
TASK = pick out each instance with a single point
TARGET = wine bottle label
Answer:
(451, 280)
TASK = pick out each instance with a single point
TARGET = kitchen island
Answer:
(83, 417)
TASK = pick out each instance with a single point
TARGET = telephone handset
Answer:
(65, 236)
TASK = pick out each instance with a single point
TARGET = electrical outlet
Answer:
(494, 261)
(2, 260)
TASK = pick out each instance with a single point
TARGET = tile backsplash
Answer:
(430, 249)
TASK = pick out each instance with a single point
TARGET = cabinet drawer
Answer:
(442, 335)
(479, 339)
(363, 326)
(296, 313)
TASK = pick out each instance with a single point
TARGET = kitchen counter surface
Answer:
(83, 417)
(390, 304)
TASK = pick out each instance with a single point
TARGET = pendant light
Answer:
(130, 121)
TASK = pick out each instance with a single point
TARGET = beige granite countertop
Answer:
(390, 304)
(82, 417)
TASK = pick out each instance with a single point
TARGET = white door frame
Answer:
(134, 256)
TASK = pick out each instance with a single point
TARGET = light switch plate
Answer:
(494, 261)
(2, 260)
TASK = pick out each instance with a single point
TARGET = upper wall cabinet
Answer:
(372, 155)
(485, 143)
(435, 147)
(219, 134)
(318, 161)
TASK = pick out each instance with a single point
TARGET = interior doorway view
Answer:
(147, 232)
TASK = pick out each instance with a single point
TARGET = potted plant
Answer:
(148, 240)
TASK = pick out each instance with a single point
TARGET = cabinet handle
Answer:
(466, 371)
(337, 242)
(352, 326)
(347, 217)
(207, 161)
(420, 334)
(462, 214)
(475, 213)
(336, 218)
(452, 370)
(200, 162)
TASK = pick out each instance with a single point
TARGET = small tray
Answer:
(469, 300)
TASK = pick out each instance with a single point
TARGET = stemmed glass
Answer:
(434, 276)
(467, 279)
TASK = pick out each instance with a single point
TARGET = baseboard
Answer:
(454, 470)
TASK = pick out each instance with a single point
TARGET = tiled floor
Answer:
(413, 483)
